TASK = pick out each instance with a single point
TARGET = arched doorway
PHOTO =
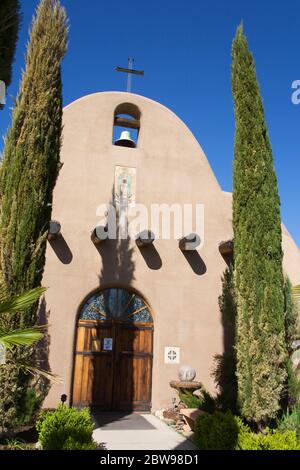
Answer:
(114, 352)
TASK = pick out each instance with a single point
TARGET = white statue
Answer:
(187, 373)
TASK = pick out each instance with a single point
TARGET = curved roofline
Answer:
(124, 93)
(126, 96)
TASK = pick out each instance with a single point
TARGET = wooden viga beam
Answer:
(190, 242)
(226, 248)
(128, 123)
(99, 235)
(54, 230)
(145, 238)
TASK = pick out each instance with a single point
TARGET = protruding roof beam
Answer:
(189, 242)
(226, 248)
(54, 230)
(99, 235)
(145, 238)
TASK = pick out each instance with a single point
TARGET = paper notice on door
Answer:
(107, 344)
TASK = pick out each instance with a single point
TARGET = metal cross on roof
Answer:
(130, 71)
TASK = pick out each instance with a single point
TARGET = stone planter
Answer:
(190, 416)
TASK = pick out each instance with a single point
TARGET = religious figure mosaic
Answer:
(125, 186)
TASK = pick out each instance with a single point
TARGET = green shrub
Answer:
(290, 421)
(30, 406)
(223, 431)
(247, 440)
(276, 440)
(218, 431)
(205, 403)
(72, 444)
(190, 400)
(15, 444)
(65, 427)
(208, 403)
(271, 440)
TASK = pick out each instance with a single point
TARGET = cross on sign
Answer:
(172, 355)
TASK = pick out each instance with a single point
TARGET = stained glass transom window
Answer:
(118, 304)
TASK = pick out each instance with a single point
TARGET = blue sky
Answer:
(185, 49)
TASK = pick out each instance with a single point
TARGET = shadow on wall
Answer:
(117, 271)
(117, 264)
(195, 261)
(113, 355)
(116, 256)
(151, 256)
(225, 371)
(103, 372)
(41, 352)
(61, 249)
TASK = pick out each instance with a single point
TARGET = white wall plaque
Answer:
(172, 355)
(107, 344)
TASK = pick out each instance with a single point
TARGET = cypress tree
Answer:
(31, 162)
(258, 276)
(9, 27)
(225, 364)
(292, 392)
(31, 154)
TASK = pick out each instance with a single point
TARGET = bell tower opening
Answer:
(126, 126)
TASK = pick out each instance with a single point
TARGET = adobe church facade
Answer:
(124, 317)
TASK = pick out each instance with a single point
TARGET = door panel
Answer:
(93, 373)
(133, 371)
(121, 378)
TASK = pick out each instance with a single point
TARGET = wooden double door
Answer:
(114, 353)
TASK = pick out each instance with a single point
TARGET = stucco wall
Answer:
(182, 293)
(291, 253)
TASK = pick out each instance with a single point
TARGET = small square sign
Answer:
(172, 355)
(107, 344)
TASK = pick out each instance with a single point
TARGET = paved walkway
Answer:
(136, 431)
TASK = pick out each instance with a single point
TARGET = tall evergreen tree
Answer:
(31, 162)
(258, 276)
(225, 364)
(9, 27)
(31, 154)
(292, 392)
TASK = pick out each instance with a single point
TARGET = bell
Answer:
(125, 140)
